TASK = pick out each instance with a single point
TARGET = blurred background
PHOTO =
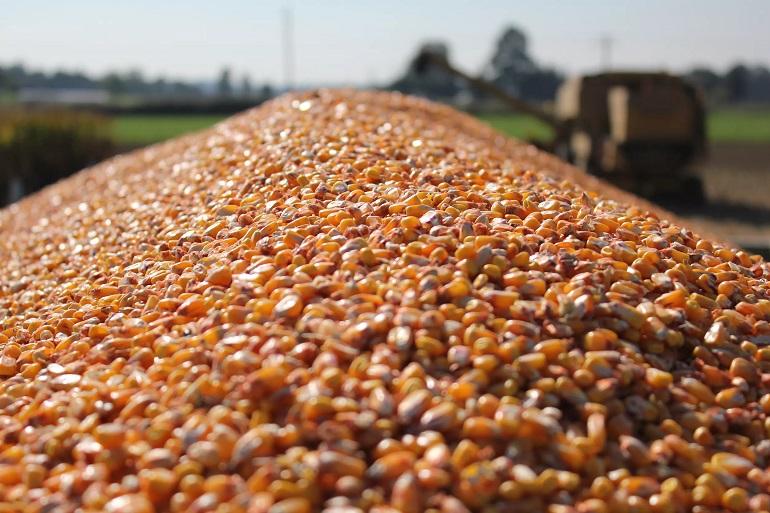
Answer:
(669, 99)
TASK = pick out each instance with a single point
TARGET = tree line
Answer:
(16, 77)
(512, 67)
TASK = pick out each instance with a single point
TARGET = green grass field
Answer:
(142, 129)
(727, 125)
(523, 127)
(739, 125)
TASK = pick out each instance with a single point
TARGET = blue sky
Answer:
(368, 40)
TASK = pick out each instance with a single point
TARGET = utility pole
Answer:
(288, 49)
(605, 51)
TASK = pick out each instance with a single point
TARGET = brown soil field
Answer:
(739, 173)
(736, 179)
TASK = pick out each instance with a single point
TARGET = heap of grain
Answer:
(350, 302)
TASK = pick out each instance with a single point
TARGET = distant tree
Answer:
(246, 89)
(737, 83)
(179, 87)
(5, 83)
(759, 84)
(511, 58)
(114, 83)
(130, 82)
(69, 80)
(708, 81)
(266, 92)
(135, 82)
(515, 71)
(705, 78)
(432, 82)
(224, 84)
(15, 76)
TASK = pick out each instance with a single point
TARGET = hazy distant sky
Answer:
(371, 40)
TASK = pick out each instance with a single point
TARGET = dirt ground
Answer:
(736, 180)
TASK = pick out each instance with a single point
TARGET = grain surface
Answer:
(362, 302)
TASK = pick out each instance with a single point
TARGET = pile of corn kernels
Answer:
(359, 302)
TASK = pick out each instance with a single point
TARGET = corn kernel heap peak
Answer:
(364, 302)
